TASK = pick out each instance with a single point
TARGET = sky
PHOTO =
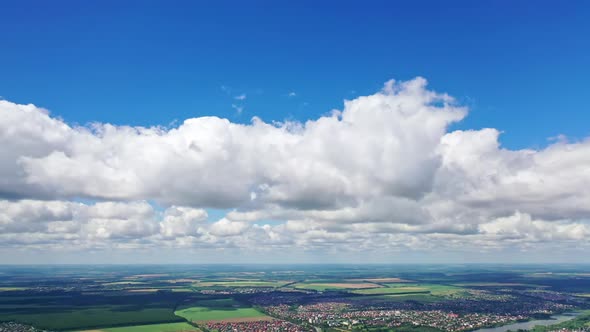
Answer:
(282, 132)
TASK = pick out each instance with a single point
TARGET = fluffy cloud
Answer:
(522, 227)
(116, 221)
(390, 140)
(226, 227)
(382, 173)
(552, 183)
(180, 221)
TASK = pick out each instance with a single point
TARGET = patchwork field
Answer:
(394, 290)
(422, 298)
(381, 280)
(397, 288)
(241, 283)
(11, 289)
(200, 314)
(123, 283)
(76, 319)
(61, 310)
(170, 327)
(219, 309)
(335, 286)
(494, 284)
(131, 299)
(418, 297)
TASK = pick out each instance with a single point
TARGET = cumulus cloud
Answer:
(383, 172)
(225, 227)
(390, 138)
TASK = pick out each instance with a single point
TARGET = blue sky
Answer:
(401, 170)
(522, 67)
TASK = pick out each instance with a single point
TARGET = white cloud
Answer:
(239, 109)
(523, 228)
(225, 227)
(391, 140)
(384, 172)
(180, 221)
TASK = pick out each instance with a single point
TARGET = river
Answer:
(530, 324)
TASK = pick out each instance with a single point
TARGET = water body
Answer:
(555, 319)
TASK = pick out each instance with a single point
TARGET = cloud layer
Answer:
(383, 174)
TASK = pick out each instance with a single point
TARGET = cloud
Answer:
(225, 227)
(523, 228)
(100, 220)
(240, 97)
(383, 173)
(239, 109)
(182, 221)
(391, 139)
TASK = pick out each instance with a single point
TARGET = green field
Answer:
(123, 283)
(89, 318)
(170, 327)
(208, 313)
(241, 283)
(400, 290)
(11, 289)
(181, 290)
(432, 289)
(227, 303)
(334, 286)
(495, 284)
(422, 298)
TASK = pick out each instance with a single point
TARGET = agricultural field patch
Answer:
(181, 290)
(12, 289)
(419, 297)
(382, 280)
(422, 298)
(123, 283)
(218, 309)
(218, 303)
(241, 283)
(201, 314)
(168, 327)
(149, 275)
(180, 281)
(335, 286)
(495, 284)
(91, 318)
(397, 288)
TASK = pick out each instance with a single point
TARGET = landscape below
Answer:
(326, 298)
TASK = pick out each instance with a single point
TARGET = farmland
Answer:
(8, 289)
(251, 298)
(218, 309)
(431, 289)
(93, 317)
(240, 283)
(198, 314)
(169, 327)
(335, 286)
